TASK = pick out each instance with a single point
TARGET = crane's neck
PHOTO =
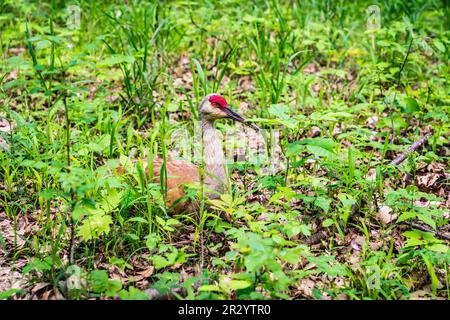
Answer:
(214, 158)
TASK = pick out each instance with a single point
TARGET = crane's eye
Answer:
(214, 105)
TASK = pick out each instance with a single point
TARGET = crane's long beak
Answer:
(237, 117)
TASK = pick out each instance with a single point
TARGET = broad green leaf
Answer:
(427, 219)
(111, 201)
(282, 113)
(439, 45)
(329, 116)
(9, 293)
(320, 152)
(434, 278)
(293, 255)
(439, 247)
(337, 72)
(151, 241)
(160, 220)
(138, 219)
(322, 147)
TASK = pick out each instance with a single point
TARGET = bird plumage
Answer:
(181, 172)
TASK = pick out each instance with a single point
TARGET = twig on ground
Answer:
(396, 161)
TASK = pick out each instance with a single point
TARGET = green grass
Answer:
(336, 101)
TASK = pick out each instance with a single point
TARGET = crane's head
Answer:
(214, 106)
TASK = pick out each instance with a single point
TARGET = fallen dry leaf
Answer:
(385, 216)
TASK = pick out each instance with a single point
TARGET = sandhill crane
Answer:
(180, 172)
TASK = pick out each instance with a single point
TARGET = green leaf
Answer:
(160, 220)
(40, 265)
(407, 215)
(275, 197)
(160, 262)
(81, 209)
(410, 105)
(317, 294)
(323, 203)
(329, 116)
(322, 147)
(337, 72)
(201, 75)
(327, 223)
(439, 247)
(427, 219)
(132, 236)
(133, 294)
(434, 279)
(172, 221)
(94, 226)
(116, 59)
(151, 241)
(170, 258)
(119, 262)
(100, 283)
(293, 255)
(439, 45)
(138, 219)
(346, 200)
(294, 148)
(282, 113)
(320, 152)
(9, 293)
(128, 165)
(329, 265)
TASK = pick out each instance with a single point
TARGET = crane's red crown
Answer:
(219, 100)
